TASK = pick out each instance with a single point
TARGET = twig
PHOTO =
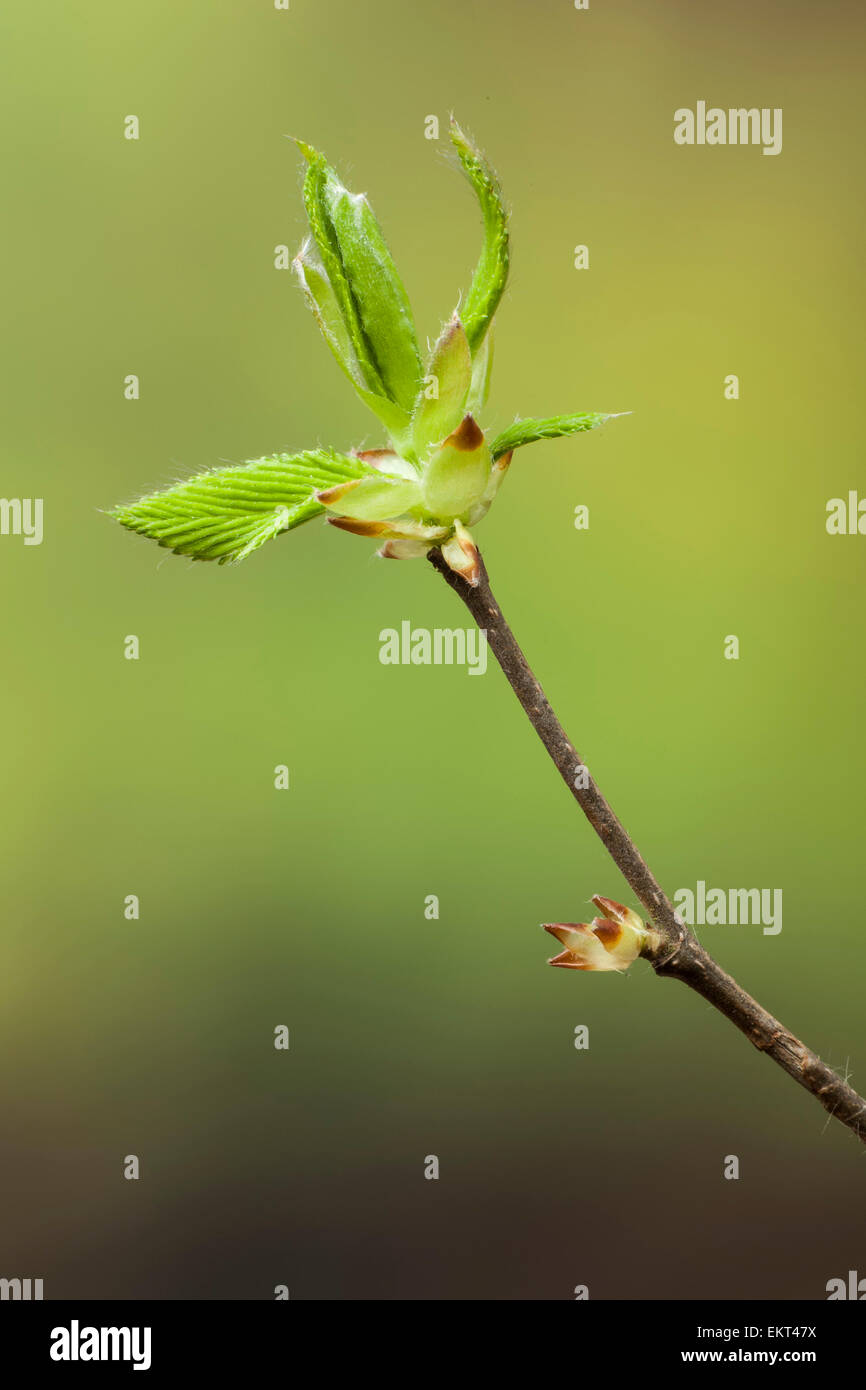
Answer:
(679, 955)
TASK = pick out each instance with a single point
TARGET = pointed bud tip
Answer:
(558, 929)
(607, 905)
(310, 154)
(458, 134)
(566, 960)
(613, 911)
(467, 437)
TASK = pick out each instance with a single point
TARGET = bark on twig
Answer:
(680, 955)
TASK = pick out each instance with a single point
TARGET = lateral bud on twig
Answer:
(609, 942)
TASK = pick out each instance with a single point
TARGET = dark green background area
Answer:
(306, 907)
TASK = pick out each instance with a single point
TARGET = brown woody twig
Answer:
(679, 954)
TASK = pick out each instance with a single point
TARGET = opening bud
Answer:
(610, 942)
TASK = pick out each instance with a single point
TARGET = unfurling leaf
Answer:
(328, 247)
(322, 299)
(491, 272)
(528, 431)
(369, 293)
(227, 513)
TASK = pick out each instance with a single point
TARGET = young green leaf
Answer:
(383, 304)
(315, 181)
(491, 272)
(227, 513)
(438, 469)
(322, 299)
(528, 431)
(448, 378)
(370, 293)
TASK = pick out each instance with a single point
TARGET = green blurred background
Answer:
(306, 907)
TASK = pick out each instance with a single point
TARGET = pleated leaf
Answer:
(528, 431)
(227, 513)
